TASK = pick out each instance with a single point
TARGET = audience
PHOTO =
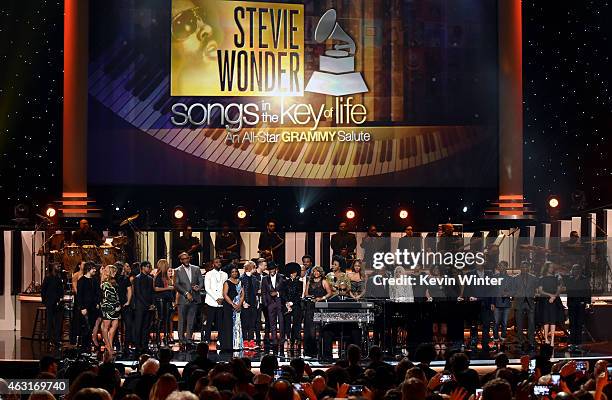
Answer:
(203, 379)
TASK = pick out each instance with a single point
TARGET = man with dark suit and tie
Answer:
(271, 287)
(188, 284)
(143, 304)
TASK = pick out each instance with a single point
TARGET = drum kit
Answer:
(71, 255)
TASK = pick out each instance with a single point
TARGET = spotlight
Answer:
(553, 206)
(553, 201)
(242, 215)
(301, 210)
(350, 213)
(464, 209)
(178, 213)
(403, 214)
(51, 212)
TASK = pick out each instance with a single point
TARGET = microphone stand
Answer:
(34, 287)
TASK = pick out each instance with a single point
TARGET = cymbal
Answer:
(129, 219)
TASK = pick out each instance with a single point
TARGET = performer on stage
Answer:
(502, 303)
(110, 306)
(213, 285)
(249, 313)
(343, 244)
(349, 330)
(188, 244)
(306, 265)
(358, 280)
(485, 298)
(143, 305)
(85, 235)
(52, 293)
(271, 287)
(317, 289)
(164, 297)
(189, 282)
(262, 311)
(578, 292)
(552, 308)
(524, 288)
(88, 293)
(337, 276)
(233, 296)
(124, 291)
(372, 243)
(271, 244)
(226, 243)
(292, 298)
(409, 241)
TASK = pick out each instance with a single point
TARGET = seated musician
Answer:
(348, 331)
(337, 276)
(226, 243)
(85, 235)
(187, 244)
(270, 245)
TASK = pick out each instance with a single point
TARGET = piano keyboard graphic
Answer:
(139, 92)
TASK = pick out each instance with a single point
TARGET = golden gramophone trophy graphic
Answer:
(336, 75)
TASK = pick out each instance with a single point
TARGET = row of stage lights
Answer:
(242, 214)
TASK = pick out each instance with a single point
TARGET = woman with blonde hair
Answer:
(110, 306)
(164, 296)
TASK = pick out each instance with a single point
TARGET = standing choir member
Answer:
(188, 284)
(143, 304)
(213, 285)
(552, 308)
(248, 318)
(233, 300)
(271, 287)
(52, 292)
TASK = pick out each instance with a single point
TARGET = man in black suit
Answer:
(271, 287)
(523, 289)
(143, 303)
(52, 292)
(485, 298)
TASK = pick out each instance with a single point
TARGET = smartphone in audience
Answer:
(446, 378)
(582, 366)
(298, 387)
(541, 391)
(609, 368)
(532, 366)
(478, 394)
(278, 373)
(355, 390)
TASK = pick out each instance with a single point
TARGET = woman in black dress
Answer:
(164, 296)
(317, 289)
(551, 303)
(233, 298)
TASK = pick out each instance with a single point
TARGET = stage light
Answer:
(178, 213)
(51, 212)
(301, 210)
(350, 213)
(242, 214)
(465, 209)
(116, 208)
(553, 202)
(403, 214)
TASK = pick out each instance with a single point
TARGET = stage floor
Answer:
(14, 348)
